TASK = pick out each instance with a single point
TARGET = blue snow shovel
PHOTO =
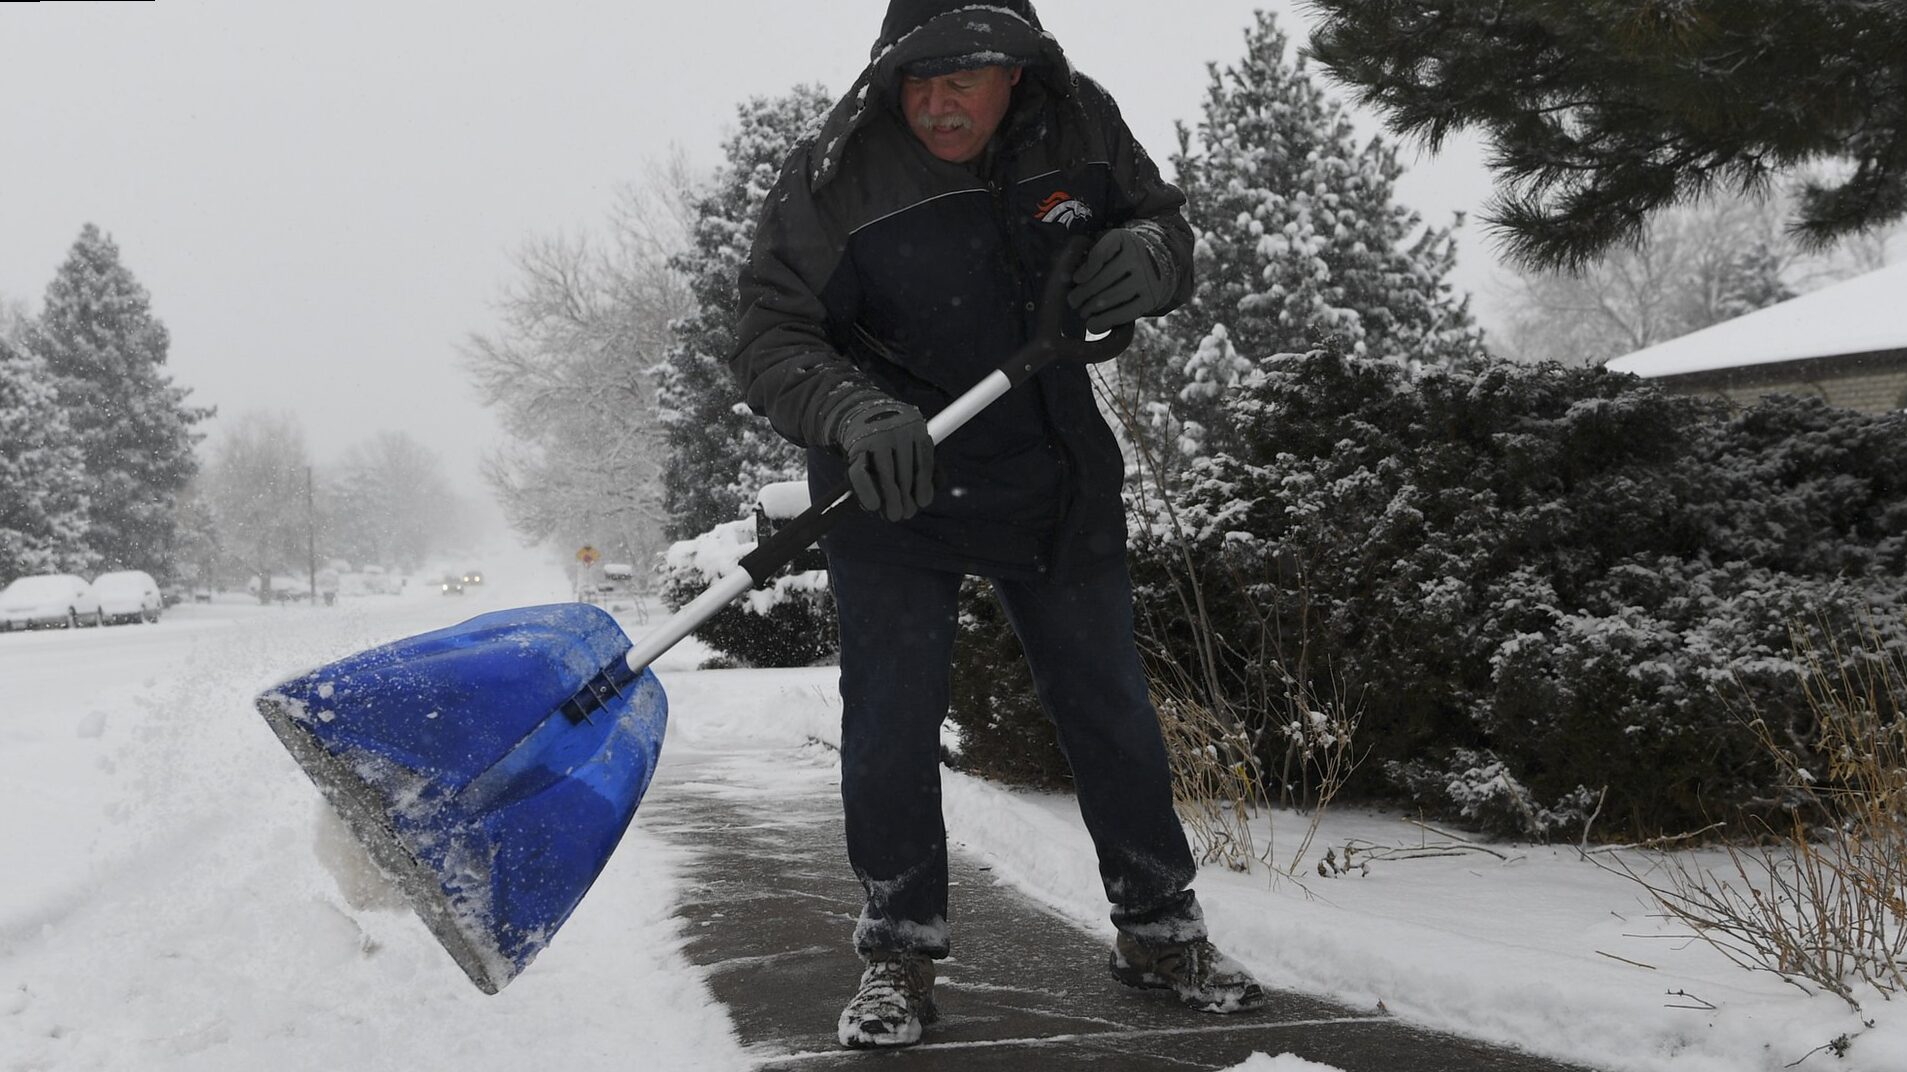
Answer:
(491, 768)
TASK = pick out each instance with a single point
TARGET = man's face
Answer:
(955, 114)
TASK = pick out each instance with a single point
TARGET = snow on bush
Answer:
(1548, 588)
(789, 622)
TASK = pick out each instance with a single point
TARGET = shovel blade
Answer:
(489, 769)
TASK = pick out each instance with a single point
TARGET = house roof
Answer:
(1856, 316)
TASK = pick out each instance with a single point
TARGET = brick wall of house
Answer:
(1871, 383)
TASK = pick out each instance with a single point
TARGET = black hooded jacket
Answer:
(879, 267)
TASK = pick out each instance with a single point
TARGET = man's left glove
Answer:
(890, 456)
(1119, 282)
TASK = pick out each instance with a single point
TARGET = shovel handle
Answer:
(1048, 345)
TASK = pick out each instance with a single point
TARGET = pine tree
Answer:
(104, 350)
(1300, 243)
(44, 515)
(1602, 112)
(720, 454)
(1752, 281)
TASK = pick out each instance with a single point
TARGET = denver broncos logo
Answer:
(1062, 208)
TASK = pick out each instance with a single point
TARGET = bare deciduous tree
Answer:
(570, 372)
(1694, 267)
(389, 503)
(255, 487)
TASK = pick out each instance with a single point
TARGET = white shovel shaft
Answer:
(684, 621)
(961, 410)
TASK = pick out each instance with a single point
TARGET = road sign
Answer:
(587, 555)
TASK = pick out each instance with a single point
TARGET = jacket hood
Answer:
(948, 35)
(1006, 32)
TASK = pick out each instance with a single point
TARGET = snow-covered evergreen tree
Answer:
(1300, 243)
(1752, 281)
(43, 506)
(719, 452)
(105, 351)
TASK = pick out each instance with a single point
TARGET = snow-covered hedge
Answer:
(1545, 587)
(788, 623)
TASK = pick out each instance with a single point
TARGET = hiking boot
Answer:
(895, 999)
(1203, 977)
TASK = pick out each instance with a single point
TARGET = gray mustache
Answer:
(952, 122)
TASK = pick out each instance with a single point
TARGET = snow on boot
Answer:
(895, 999)
(1203, 977)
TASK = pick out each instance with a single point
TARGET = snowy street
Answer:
(177, 897)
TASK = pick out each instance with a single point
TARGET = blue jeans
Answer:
(897, 633)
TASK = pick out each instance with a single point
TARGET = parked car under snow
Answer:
(128, 596)
(56, 599)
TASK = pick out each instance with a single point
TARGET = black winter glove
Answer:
(1119, 282)
(890, 456)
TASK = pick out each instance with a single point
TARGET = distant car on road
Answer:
(128, 596)
(57, 599)
(475, 576)
(371, 581)
(285, 587)
(453, 586)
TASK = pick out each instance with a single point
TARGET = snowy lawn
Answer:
(174, 897)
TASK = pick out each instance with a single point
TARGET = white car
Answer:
(128, 596)
(49, 599)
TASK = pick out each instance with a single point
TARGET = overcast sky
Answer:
(323, 200)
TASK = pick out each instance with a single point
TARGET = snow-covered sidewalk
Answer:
(769, 908)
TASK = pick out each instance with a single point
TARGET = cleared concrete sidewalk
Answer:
(770, 906)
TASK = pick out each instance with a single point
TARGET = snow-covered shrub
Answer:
(1565, 570)
(787, 623)
(1822, 896)
(1477, 788)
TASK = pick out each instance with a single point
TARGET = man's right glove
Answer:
(890, 456)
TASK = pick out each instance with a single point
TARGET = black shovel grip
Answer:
(1051, 335)
(793, 538)
(1048, 344)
